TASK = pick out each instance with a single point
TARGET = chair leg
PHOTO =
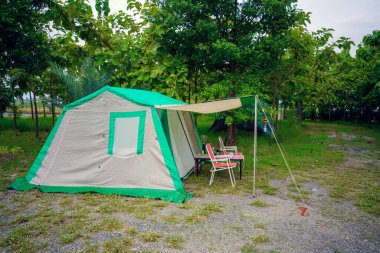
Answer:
(232, 176)
(212, 176)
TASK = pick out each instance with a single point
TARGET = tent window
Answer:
(126, 133)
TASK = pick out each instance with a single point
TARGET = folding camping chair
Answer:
(227, 149)
(220, 162)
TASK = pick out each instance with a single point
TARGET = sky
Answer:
(349, 18)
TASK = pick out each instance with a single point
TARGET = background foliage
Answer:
(190, 50)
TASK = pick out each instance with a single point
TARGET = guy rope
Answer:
(258, 102)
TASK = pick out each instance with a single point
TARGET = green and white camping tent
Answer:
(117, 141)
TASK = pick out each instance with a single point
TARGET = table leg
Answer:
(196, 167)
(241, 168)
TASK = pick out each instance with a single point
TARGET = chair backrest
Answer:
(221, 144)
(211, 154)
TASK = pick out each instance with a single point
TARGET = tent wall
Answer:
(78, 155)
(181, 143)
(192, 132)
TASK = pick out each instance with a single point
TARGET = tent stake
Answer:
(255, 149)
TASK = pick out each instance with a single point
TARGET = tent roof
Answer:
(141, 97)
(211, 107)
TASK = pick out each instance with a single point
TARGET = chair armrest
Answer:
(222, 160)
(221, 156)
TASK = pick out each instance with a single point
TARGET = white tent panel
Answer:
(183, 153)
(188, 137)
(126, 133)
(191, 132)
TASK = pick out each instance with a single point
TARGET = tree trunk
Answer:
(53, 112)
(231, 139)
(189, 94)
(344, 114)
(275, 102)
(299, 111)
(276, 118)
(196, 94)
(14, 112)
(368, 115)
(31, 104)
(51, 99)
(43, 105)
(36, 114)
(330, 114)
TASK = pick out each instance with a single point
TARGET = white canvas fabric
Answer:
(182, 151)
(192, 132)
(126, 134)
(78, 154)
(187, 133)
(207, 107)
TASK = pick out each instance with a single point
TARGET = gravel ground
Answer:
(330, 225)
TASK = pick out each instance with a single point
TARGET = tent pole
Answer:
(255, 148)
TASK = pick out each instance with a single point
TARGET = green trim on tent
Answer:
(21, 184)
(84, 99)
(248, 100)
(165, 126)
(176, 196)
(166, 153)
(140, 136)
(42, 154)
(141, 97)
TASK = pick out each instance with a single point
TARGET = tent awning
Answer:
(211, 107)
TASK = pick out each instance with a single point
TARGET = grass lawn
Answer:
(342, 158)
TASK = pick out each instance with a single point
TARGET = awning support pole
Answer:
(255, 148)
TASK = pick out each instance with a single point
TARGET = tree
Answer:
(103, 8)
(120, 43)
(15, 81)
(23, 37)
(298, 62)
(23, 43)
(5, 98)
(367, 62)
(221, 37)
(83, 83)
